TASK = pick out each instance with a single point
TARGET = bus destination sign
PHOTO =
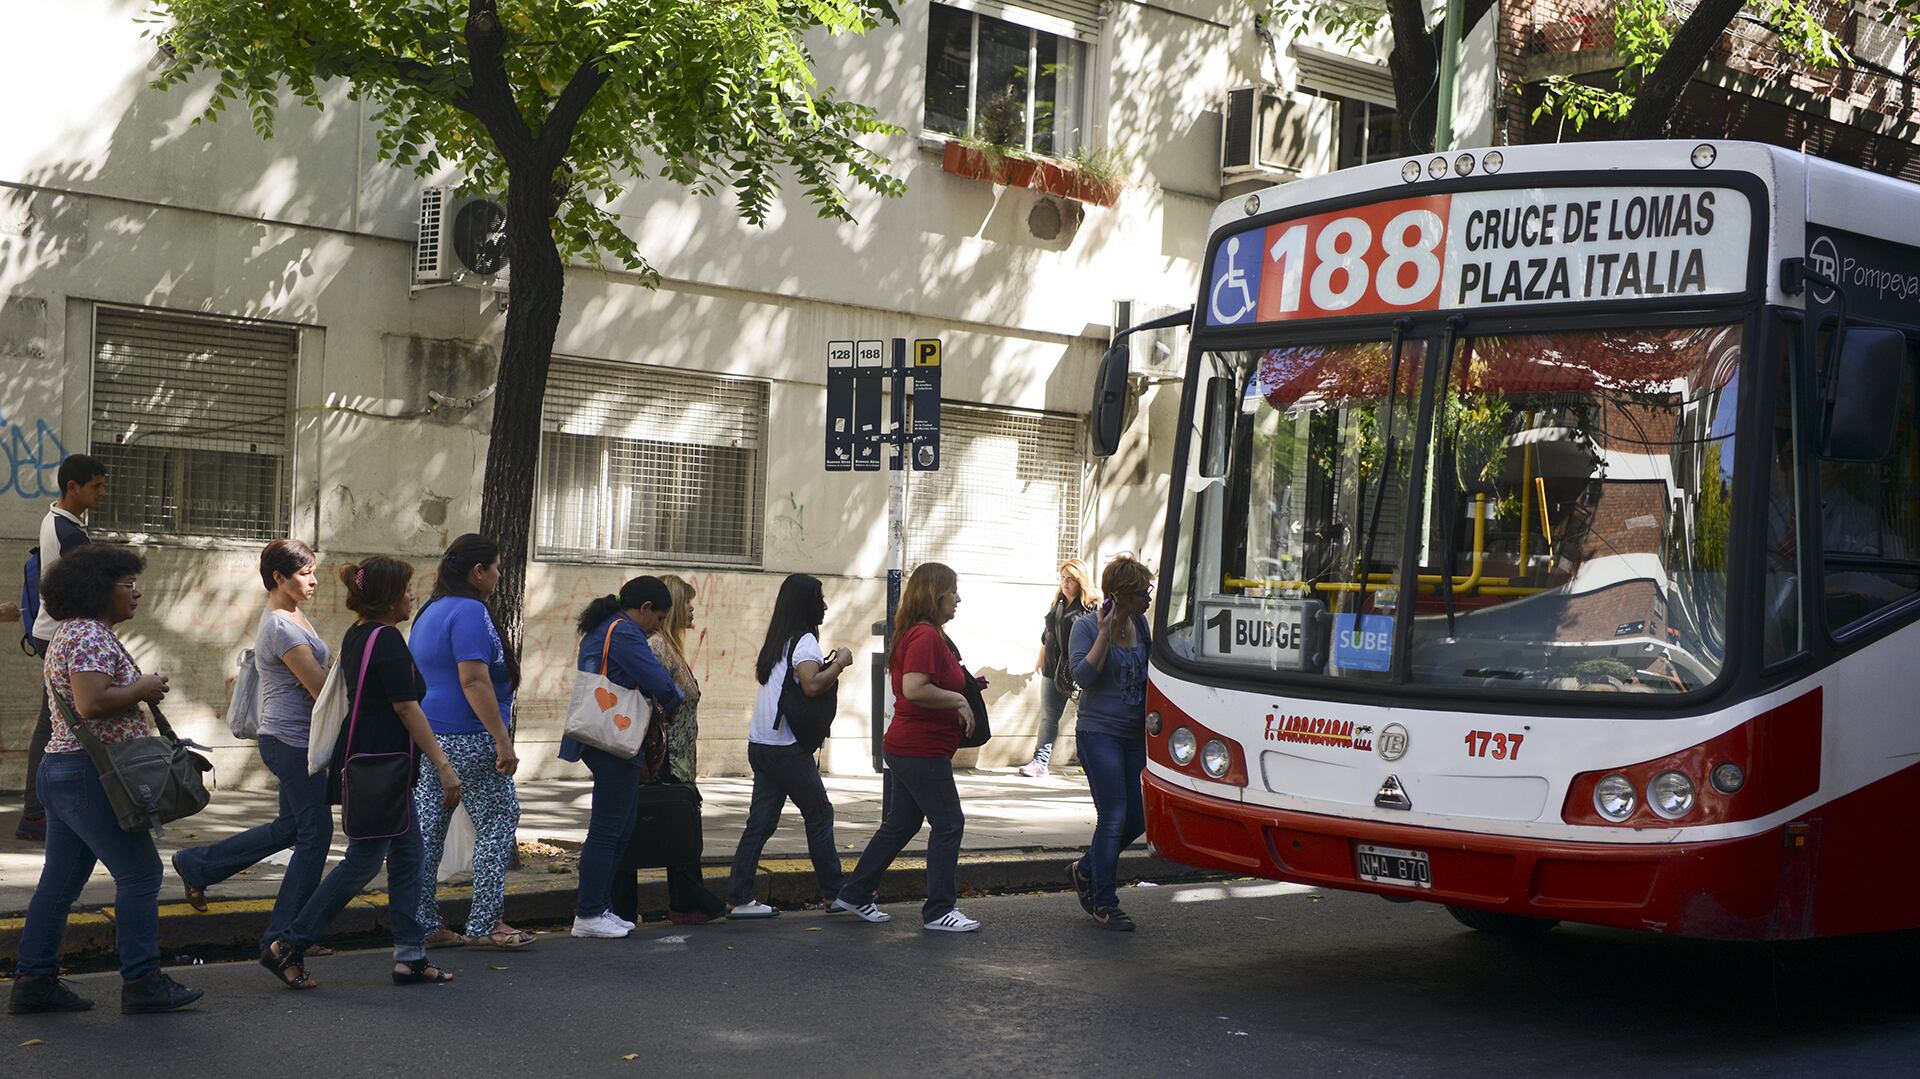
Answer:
(1485, 249)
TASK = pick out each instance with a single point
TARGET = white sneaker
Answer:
(753, 909)
(602, 926)
(624, 924)
(953, 922)
(1034, 770)
(866, 912)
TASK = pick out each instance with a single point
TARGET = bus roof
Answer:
(1800, 189)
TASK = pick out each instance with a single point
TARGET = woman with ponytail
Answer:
(471, 678)
(616, 626)
(385, 699)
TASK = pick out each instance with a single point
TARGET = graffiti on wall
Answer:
(32, 460)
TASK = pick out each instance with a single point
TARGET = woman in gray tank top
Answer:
(291, 660)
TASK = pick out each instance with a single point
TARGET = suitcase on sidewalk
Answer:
(666, 831)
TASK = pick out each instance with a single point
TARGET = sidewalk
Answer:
(1019, 833)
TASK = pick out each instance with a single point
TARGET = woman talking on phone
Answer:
(782, 768)
(1108, 657)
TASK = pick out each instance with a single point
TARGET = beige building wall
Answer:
(110, 195)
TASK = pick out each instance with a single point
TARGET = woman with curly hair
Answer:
(91, 675)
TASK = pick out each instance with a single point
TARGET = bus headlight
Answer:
(1613, 798)
(1728, 778)
(1182, 746)
(1214, 758)
(1153, 723)
(1670, 794)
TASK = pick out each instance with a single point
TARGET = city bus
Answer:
(1544, 541)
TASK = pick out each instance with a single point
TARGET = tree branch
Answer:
(556, 134)
(1659, 95)
(491, 97)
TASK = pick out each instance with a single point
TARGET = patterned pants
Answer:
(490, 800)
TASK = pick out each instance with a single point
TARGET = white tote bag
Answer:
(608, 717)
(243, 708)
(329, 716)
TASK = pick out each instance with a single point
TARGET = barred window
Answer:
(191, 419)
(641, 463)
(1006, 501)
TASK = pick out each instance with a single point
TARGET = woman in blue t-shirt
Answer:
(471, 678)
(1108, 658)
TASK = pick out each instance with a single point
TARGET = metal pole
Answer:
(1450, 30)
(896, 546)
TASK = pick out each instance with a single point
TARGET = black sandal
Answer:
(418, 974)
(282, 967)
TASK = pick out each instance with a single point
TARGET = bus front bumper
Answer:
(1739, 889)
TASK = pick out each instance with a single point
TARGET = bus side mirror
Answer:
(1865, 388)
(1107, 419)
(1216, 437)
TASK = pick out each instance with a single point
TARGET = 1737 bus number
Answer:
(1500, 746)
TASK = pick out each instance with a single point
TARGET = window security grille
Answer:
(190, 417)
(1006, 501)
(650, 462)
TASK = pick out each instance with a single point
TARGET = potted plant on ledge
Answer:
(990, 153)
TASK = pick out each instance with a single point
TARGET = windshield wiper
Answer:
(1371, 524)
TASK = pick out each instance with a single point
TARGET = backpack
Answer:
(810, 718)
(29, 600)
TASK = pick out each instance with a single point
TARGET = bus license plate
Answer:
(1391, 865)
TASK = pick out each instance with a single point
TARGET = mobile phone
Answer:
(1105, 606)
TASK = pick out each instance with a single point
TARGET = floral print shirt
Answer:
(88, 644)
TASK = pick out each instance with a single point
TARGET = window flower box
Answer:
(973, 163)
(1062, 179)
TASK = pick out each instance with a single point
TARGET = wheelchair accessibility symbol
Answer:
(1234, 286)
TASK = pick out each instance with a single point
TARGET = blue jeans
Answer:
(305, 823)
(1113, 765)
(1054, 705)
(780, 773)
(406, 877)
(923, 790)
(616, 805)
(82, 829)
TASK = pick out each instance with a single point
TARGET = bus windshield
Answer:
(1562, 497)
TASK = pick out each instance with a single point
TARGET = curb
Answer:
(232, 929)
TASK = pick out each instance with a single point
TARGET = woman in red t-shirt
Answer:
(930, 714)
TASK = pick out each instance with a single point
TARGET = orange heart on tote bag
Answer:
(605, 698)
(622, 722)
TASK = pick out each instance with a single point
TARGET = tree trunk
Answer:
(1659, 95)
(1415, 65)
(513, 451)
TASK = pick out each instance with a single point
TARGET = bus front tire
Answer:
(1505, 925)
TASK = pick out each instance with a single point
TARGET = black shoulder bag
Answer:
(970, 689)
(809, 718)
(150, 780)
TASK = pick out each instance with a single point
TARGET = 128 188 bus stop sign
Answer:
(1483, 249)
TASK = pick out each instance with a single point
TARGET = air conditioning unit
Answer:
(1277, 136)
(462, 241)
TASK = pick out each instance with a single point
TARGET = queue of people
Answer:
(445, 691)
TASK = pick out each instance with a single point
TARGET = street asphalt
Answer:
(1239, 978)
